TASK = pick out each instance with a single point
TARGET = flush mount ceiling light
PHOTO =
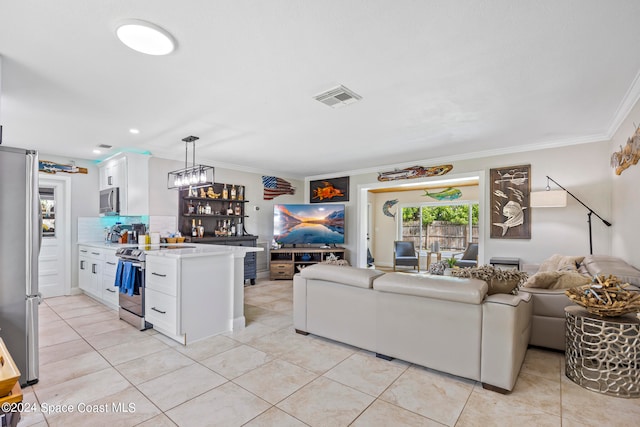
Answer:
(145, 37)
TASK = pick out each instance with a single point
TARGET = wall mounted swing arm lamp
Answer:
(540, 199)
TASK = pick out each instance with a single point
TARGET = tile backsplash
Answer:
(91, 229)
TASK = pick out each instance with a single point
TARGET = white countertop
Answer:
(180, 250)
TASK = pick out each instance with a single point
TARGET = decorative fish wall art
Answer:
(510, 189)
(329, 190)
(448, 194)
(388, 205)
(47, 166)
(414, 172)
(628, 155)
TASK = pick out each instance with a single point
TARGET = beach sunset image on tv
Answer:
(307, 224)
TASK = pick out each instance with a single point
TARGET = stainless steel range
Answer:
(132, 306)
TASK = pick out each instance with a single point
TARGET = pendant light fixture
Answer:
(194, 176)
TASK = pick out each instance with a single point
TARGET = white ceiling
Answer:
(438, 78)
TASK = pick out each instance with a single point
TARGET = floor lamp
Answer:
(554, 199)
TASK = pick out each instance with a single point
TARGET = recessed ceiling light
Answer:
(134, 131)
(145, 37)
(96, 151)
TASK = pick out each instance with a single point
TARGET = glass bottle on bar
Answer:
(233, 192)
(240, 192)
(237, 210)
(232, 229)
(230, 209)
(200, 228)
(194, 230)
(225, 192)
(207, 209)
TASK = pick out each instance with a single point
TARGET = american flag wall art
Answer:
(274, 187)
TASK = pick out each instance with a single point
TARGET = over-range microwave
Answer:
(110, 201)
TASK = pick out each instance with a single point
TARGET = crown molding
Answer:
(626, 105)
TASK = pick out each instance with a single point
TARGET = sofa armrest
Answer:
(299, 303)
(506, 326)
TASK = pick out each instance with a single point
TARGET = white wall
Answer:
(626, 197)
(582, 169)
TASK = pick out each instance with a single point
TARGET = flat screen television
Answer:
(317, 223)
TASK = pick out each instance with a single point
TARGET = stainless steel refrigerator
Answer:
(20, 236)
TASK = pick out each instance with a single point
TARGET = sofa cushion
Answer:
(360, 277)
(603, 264)
(500, 281)
(556, 280)
(561, 263)
(447, 288)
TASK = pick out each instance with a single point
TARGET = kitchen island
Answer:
(192, 291)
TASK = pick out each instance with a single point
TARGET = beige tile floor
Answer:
(110, 374)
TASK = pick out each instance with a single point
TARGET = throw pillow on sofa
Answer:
(499, 281)
(438, 268)
(556, 280)
(561, 263)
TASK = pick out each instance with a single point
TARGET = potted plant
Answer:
(451, 262)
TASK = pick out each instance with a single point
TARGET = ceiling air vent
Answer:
(105, 146)
(338, 97)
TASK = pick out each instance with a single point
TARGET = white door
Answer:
(54, 278)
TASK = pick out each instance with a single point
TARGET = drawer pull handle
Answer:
(159, 311)
(83, 250)
(111, 263)
(110, 290)
(158, 274)
(95, 253)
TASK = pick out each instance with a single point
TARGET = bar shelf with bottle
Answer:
(216, 215)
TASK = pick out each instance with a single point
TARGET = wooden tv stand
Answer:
(286, 262)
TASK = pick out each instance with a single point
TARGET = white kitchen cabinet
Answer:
(109, 293)
(96, 273)
(112, 172)
(130, 173)
(189, 298)
(161, 310)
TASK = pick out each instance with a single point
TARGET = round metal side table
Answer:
(603, 353)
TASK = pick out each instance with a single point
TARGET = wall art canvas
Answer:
(329, 190)
(510, 213)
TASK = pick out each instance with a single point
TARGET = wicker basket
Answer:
(624, 302)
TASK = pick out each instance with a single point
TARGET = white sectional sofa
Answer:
(444, 323)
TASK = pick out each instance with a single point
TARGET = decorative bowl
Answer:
(605, 296)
